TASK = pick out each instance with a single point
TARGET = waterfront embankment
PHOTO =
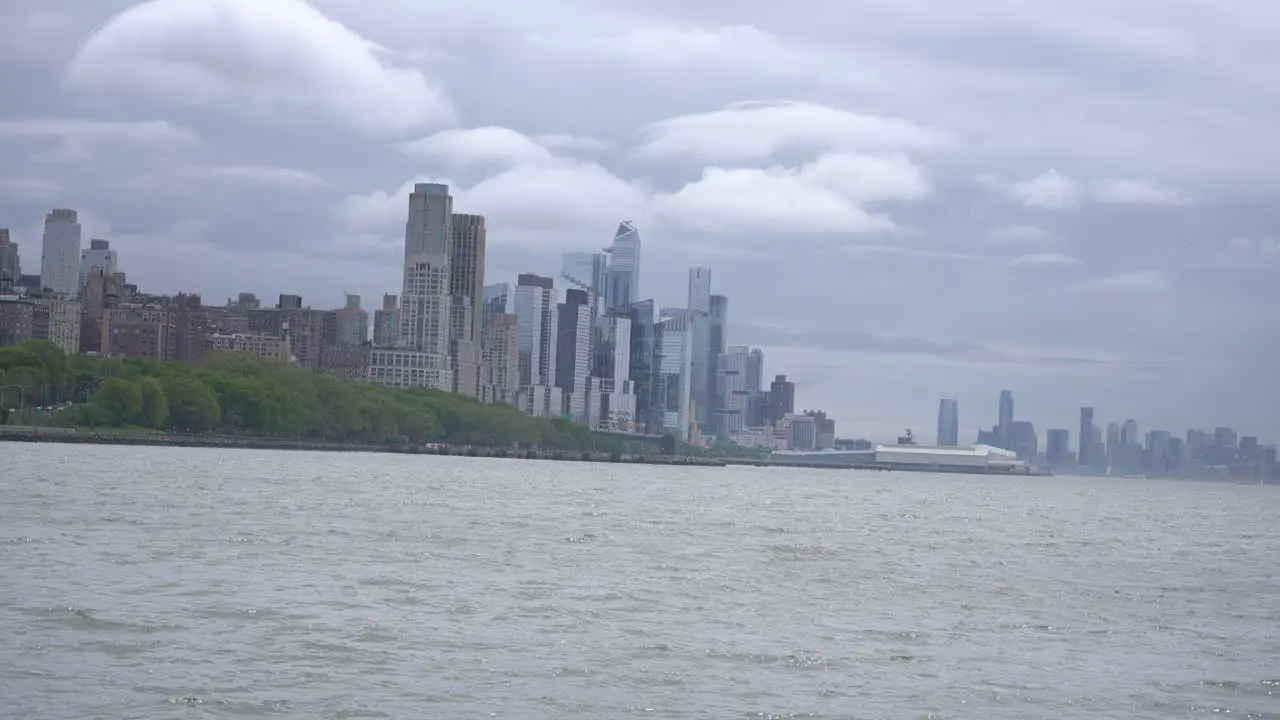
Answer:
(15, 433)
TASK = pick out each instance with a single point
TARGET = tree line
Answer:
(239, 394)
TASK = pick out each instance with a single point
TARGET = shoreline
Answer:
(33, 434)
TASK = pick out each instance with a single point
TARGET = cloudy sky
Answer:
(903, 199)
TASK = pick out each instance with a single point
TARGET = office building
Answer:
(755, 371)
(574, 353)
(98, 256)
(1058, 448)
(466, 301)
(500, 359)
(614, 398)
(622, 279)
(352, 322)
(782, 399)
(537, 330)
(1004, 429)
(10, 262)
(674, 394)
(587, 272)
(1086, 450)
(60, 253)
(948, 423)
(1024, 440)
(731, 391)
(386, 322)
(704, 356)
(645, 358)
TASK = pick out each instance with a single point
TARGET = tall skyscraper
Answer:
(537, 331)
(731, 390)
(622, 283)
(704, 355)
(1085, 452)
(466, 274)
(587, 272)
(1004, 431)
(353, 322)
(948, 423)
(755, 371)
(645, 357)
(573, 352)
(1129, 433)
(60, 252)
(98, 255)
(1058, 448)
(421, 357)
(614, 402)
(10, 263)
(500, 346)
(675, 371)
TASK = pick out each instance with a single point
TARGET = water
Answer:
(178, 583)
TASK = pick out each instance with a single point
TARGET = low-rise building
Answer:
(266, 346)
(405, 368)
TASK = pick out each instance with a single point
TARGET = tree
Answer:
(193, 407)
(119, 401)
(153, 411)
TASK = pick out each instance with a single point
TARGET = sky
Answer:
(903, 200)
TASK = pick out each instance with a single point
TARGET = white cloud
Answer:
(1045, 260)
(903, 251)
(29, 189)
(1136, 192)
(92, 131)
(756, 130)
(824, 196)
(265, 175)
(561, 141)
(1018, 235)
(1136, 281)
(264, 57)
(481, 145)
(1268, 247)
(1048, 191)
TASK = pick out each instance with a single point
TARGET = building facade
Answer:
(10, 262)
(574, 353)
(98, 256)
(537, 330)
(60, 253)
(948, 423)
(622, 282)
(674, 393)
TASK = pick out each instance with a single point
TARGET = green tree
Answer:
(153, 410)
(119, 401)
(193, 407)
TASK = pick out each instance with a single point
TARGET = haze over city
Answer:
(905, 203)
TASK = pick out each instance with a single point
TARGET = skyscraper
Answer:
(587, 272)
(704, 356)
(622, 283)
(755, 371)
(10, 263)
(782, 399)
(386, 322)
(537, 333)
(731, 389)
(573, 352)
(98, 255)
(948, 423)
(645, 356)
(353, 322)
(1004, 431)
(466, 300)
(500, 346)
(614, 399)
(421, 357)
(675, 370)
(1057, 447)
(60, 252)
(1085, 453)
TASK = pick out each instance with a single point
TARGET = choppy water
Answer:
(176, 583)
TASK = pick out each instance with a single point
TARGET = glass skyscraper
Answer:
(622, 281)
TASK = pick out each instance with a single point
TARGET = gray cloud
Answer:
(1117, 246)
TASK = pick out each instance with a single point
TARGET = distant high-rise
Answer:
(10, 263)
(675, 370)
(424, 304)
(1085, 452)
(353, 322)
(1025, 441)
(731, 390)
(622, 284)
(537, 331)
(718, 335)
(573, 352)
(98, 256)
(948, 423)
(466, 275)
(60, 252)
(1129, 433)
(1058, 448)
(614, 399)
(587, 272)
(645, 356)
(755, 371)
(386, 322)
(782, 399)
(704, 356)
(499, 345)
(1004, 433)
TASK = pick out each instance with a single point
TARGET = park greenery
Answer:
(236, 394)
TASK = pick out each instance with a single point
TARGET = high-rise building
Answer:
(537, 330)
(644, 370)
(717, 331)
(386, 322)
(614, 400)
(755, 371)
(60, 252)
(10, 263)
(731, 391)
(1085, 456)
(573, 353)
(467, 239)
(1025, 442)
(587, 272)
(98, 255)
(948, 423)
(499, 299)
(704, 355)
(1058, 448)
(1004, 432)
(500, 359)
(352, 322)
(421, 358)
(675, 373)
(782, 399)
(1129, 433)
(622, 283)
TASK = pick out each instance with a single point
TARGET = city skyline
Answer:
(1126, 259)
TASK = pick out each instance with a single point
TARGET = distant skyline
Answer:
(902, 206)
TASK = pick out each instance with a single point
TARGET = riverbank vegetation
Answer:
(242, 395)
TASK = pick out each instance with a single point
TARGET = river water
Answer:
(180, 583)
